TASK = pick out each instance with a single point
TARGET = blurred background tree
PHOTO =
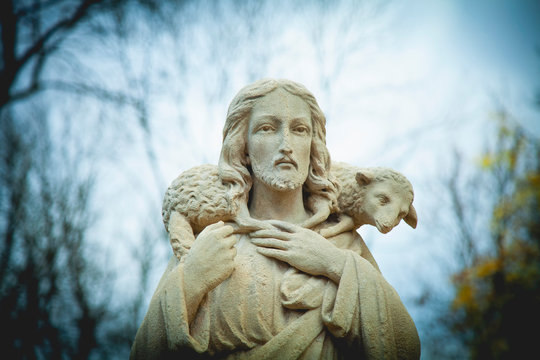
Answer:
(497, 301)
(54, 288)
(492, 254)
(51, 300)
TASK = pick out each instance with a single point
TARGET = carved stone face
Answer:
(279, 140)
(386, 204)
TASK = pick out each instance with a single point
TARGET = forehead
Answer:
(281, 105)
(391, 188)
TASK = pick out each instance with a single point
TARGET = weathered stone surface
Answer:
(268, 263)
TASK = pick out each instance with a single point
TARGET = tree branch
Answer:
(77, 88)
(63, 24)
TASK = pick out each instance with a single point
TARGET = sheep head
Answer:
(388, 199)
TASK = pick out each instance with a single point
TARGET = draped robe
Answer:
(268, 310)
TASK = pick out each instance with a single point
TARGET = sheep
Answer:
(377, 196)
(197, 198)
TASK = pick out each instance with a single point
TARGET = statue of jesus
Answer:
(285, 291)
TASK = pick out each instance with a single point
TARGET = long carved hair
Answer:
(233, 167)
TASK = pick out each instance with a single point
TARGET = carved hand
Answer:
(301, 248)
(209, 262)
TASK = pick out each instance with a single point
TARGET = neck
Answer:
(267, 203)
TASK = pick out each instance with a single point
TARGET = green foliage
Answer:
(497, 301)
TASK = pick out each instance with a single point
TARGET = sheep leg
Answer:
(345, 224)
(317, 218)
(180, 234)
(244, 223)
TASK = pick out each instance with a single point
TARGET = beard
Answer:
(271, 177)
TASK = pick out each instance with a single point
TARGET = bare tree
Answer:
(48, 281)
(31, 32)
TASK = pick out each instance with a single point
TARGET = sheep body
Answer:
(199, 195)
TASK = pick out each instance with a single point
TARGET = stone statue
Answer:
(267, 265)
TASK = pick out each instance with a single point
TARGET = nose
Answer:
(285, 146)
(400, 216)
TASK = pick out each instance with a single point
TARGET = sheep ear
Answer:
(363, 178)
(411, 218)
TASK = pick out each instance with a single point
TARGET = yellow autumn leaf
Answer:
(486, 161)
(464, 297)
(488, 267)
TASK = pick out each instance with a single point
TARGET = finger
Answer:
(271, 243)
(273, 253)
(285, 226)
(233, 224)
(230, 240)
(213, 226)
(224, 231)
(276, 234)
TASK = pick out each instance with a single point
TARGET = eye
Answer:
(265, 128)
(383, 199)
(301, 130)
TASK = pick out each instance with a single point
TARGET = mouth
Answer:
(286, 161)
(383, 229)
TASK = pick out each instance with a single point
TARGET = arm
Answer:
(210, 261)
(171, 322)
